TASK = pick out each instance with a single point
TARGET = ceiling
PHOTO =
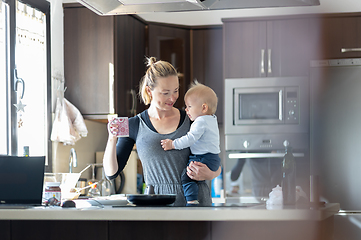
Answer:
(213, 17)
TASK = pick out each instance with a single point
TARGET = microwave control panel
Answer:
(291, 111)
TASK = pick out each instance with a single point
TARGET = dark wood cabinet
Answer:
(172, 44)
(103, 62)
(288, 40)
(207, 61)
(160, 230)
(88, 59)
(164, 230)
(337, 36)
(130, 40)
(5, 229)
(242, 52)
(266, 47)
(53, 230)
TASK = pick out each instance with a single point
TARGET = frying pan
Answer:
(151, 199)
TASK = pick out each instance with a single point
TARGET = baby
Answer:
(202, 138)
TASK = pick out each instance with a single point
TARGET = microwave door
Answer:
(253, 106)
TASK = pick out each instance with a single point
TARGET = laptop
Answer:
(21, 181)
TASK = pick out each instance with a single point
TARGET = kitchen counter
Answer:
(133, 213)
(131, 222)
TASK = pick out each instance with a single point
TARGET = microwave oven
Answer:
(262, 113)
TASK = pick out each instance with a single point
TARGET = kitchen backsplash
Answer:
(85, 148)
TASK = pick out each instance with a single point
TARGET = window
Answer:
(25, 104)
(3, 83)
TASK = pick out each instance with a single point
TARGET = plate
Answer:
(151, 199)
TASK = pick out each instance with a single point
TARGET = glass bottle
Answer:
(217, 186)
(106, 187)
(94, 190)
(289, 177)
(26, 151)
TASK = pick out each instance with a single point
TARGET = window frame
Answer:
(43, 6)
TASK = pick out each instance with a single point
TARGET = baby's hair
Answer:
(156, 69)
(205, 94)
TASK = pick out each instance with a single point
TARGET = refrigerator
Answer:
(335, 139)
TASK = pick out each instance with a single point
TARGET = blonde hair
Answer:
(156, 69)
(204, 94)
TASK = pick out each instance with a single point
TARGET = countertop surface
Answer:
(251, 212)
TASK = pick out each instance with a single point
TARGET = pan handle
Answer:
(149, 190)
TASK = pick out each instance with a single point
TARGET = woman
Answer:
(159, 88)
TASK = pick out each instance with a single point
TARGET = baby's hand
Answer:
(167, 144)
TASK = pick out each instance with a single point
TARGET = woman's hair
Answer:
(204, 94)
(156, 69)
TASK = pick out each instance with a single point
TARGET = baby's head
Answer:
(204, 95)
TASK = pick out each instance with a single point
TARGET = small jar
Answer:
(52, 190)
(26, 151)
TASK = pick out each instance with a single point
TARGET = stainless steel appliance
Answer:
(262, 113)
(336, 138)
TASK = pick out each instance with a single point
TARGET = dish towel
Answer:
(68, 125)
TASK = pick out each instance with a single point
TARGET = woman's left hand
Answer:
(199, 171)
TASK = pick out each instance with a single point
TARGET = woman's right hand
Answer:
(110, 164)
(112, 128)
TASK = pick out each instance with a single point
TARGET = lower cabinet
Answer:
(54, 230)
(160, 230)
(5, 230)
(164, 230)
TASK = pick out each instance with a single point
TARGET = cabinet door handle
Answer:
(262, 61)
(350, 50)
(133, 110)
(269, 61)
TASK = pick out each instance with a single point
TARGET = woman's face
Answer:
(166, 93)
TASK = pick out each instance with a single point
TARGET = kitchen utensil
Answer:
(79, 190)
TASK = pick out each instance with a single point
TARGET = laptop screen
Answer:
(21, 179)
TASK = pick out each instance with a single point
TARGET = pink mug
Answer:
(119, 127)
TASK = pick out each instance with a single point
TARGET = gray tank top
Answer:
(163, 169)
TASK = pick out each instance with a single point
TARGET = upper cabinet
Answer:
(89, 60)
(172, 44)
(103, 62)
(266, 47)
(337, 36)
(105, 55)
(130, 51)
(207, 61)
